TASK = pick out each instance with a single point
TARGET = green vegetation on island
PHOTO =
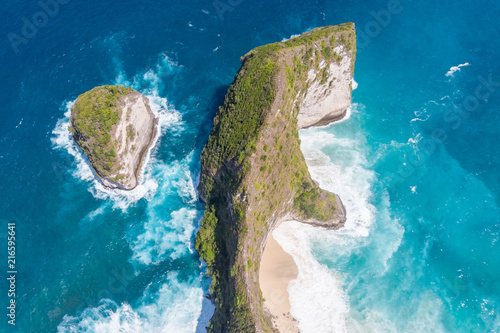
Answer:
(92, 118)
(115, 127)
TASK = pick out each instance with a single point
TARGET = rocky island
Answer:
(253, 174)
(114, 126)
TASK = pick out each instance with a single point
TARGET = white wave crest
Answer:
(175, 307)
(291, 37)
(169, 234)
(456, 68)
(354, 84)
(413, 141)
(421, 115)
(316, 296)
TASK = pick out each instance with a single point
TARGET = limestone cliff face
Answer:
(254, 175)
(114, 126)
(327, 100)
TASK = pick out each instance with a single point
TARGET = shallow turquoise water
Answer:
(420, 250)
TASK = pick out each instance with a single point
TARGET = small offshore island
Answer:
(253, 173)
(115, 127)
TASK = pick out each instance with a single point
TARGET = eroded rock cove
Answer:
(254, 175)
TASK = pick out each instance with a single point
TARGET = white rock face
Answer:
(329, 101)
(133, 134)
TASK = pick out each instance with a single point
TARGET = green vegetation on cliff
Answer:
(254, 174)
(92, 118)
(245, 107)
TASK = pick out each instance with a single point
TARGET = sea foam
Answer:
(168, 235)
(169, 120)
(354, 84)
(317, 297)
(456, 68)
(175, 307)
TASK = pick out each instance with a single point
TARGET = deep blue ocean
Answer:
(417, 164)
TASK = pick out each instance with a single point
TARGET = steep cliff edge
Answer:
(253, 173)
(114, 126)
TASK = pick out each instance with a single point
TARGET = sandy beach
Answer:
(277, 269)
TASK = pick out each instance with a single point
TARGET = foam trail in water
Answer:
(456, 68)
(316, 296)
(291, 37)
(343, 171)
(175, 307)
(169, 235)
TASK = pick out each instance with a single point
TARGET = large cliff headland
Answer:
(253, 174)
(114, 126)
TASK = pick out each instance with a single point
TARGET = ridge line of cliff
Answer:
(253, 173)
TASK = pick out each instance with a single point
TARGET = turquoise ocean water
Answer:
(416, 163)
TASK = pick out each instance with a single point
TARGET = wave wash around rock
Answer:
(253, 174)
(114, 126)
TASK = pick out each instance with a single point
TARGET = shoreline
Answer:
(147, 152)
(277, 269)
